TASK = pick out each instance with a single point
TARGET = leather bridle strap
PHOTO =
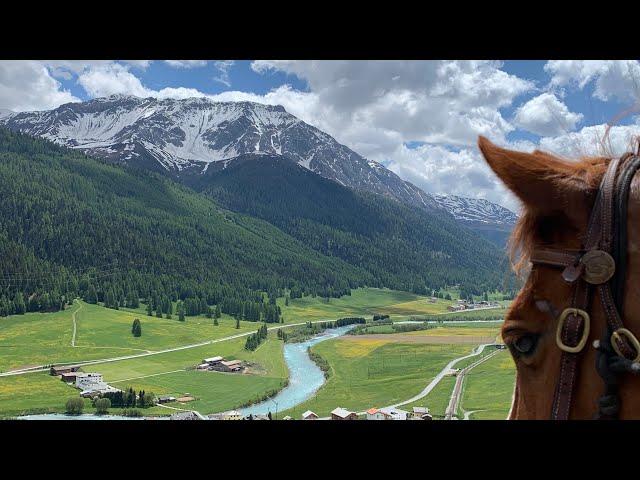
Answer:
(575, 321)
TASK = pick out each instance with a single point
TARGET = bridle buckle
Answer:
(585, 331)
(618, 336)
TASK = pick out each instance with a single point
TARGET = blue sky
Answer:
(421, 119)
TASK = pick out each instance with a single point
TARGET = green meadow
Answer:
(488, 388)
(364, 373)
(369, 373)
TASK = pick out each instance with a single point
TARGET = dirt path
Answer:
(73, 317)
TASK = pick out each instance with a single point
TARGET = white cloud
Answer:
(545, 115)
(141, 64)
(593, 141)
(223, 66)
(109, 79)
(187, 63)
(28, 85)
(430, 101)
(611, 78)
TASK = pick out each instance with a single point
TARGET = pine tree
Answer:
(215, 322)
(20, 307)
(92, 296)
(149, 309)
(218, 313)
(136, 328)
(237, 322)
(180, 309)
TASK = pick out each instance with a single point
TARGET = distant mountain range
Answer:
(191, 137)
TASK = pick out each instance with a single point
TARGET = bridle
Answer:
(599, 267)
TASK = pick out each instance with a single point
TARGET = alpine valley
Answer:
(124, 198)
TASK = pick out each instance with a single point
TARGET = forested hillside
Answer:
(71, 225)
(402, 247)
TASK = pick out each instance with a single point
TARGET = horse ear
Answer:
(533, 177)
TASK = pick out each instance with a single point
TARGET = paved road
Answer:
(44, 368)
(456, 395)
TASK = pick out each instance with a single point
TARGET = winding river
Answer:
(305, 377)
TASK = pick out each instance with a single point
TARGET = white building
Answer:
(395, 413)
(87, 381)
(377, 414)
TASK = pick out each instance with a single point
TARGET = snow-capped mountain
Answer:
(186, 137)
(476, 210)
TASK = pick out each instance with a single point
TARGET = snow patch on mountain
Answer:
(476, 210)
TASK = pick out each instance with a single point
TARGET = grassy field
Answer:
(488, 388)
(162, 374)
(35, 393)
(363, 302)
(376, 373)
(365, 374)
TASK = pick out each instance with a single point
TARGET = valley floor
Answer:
(365, 371)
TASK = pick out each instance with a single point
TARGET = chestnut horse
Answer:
(557, 197)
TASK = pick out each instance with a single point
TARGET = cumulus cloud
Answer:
(611, 78)
(430, 101)
(28, 85)
(111, 78)
(545, 115)
(593, 141)
(187, 63)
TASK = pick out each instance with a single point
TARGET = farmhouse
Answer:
(230, 366)
(59, 370)
(212, 360)
(166, 399)
(343, 414)
(69, 377)
(309, 415)
(219, 364)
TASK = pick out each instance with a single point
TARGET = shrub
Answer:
(102, 406)
(74, 406)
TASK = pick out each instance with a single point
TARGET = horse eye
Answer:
(526, 344)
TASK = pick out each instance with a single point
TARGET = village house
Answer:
(184, 416)
(343, 414)
(377, 414)
(421, 413)
(232, 415)
(309, 415)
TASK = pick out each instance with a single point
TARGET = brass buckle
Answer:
(585, 332)
(623, 332)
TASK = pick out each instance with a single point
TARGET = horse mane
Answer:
(535, 225)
